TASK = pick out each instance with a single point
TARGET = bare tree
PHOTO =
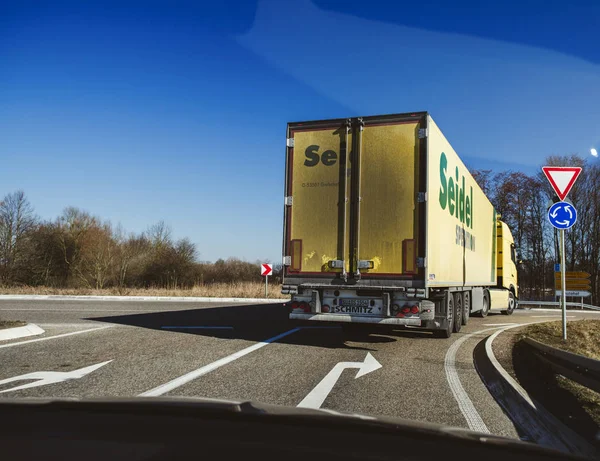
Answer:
(16, 220)
(74, 226)
(160, 235)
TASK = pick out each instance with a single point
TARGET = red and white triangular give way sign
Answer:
(561, 178)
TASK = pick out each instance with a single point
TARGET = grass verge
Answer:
(575, 405)
(11, 324)
(216, 290)
(583, 336)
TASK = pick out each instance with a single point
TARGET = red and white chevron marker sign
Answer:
(561, 178)
(266, 269)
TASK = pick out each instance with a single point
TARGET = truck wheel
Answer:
(449, 304)
(466, 307)
(458, 312)
(512, 303)
(486, 305)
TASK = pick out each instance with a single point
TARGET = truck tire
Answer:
(466, 307)
(486, 305)
(512, 303)
(458, 311)
(449, 306)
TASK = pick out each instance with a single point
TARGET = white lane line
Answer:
(55, 336)
(500, 369)
(178, 382)
(197, 328)
(465, 404)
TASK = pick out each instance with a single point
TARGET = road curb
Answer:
(30, 329)
(529, 416)
(138, 298)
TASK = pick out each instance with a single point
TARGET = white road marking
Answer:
(55, 336)
(49, 377)
(317, 396)
(178, 382)
(465, 404)
(31, 329)
(500, 369)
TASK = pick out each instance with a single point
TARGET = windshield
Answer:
(300, 203)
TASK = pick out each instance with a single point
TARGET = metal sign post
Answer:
(562, 215)
(265, 271)
(563, 279)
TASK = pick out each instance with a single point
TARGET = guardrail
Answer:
(556, 303)
(582, 370)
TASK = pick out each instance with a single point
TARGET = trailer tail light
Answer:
(295, 305)
(414, 309)
(400, 315)
(406, 310)
(305, 307)
(325, 308)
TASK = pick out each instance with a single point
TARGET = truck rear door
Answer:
(387, 186)
(352, 198)
(317, 209)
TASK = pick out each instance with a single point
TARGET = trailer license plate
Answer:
(354, 306)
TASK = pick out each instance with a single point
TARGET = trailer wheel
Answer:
(486, 305)
(466, 307)
(458, 312)
(511, 304)
(449, 305)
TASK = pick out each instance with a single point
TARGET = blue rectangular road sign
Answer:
(557, 268)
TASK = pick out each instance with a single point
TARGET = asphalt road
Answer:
(250, 352)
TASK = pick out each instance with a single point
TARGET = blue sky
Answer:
(177, 111)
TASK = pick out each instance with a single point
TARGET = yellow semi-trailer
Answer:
(384, 224)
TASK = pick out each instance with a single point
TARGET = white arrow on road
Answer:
(50, 377)
(317, 396)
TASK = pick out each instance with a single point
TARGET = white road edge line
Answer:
(500, 369)
(55, 336)
(178, 382)
(465, 404)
